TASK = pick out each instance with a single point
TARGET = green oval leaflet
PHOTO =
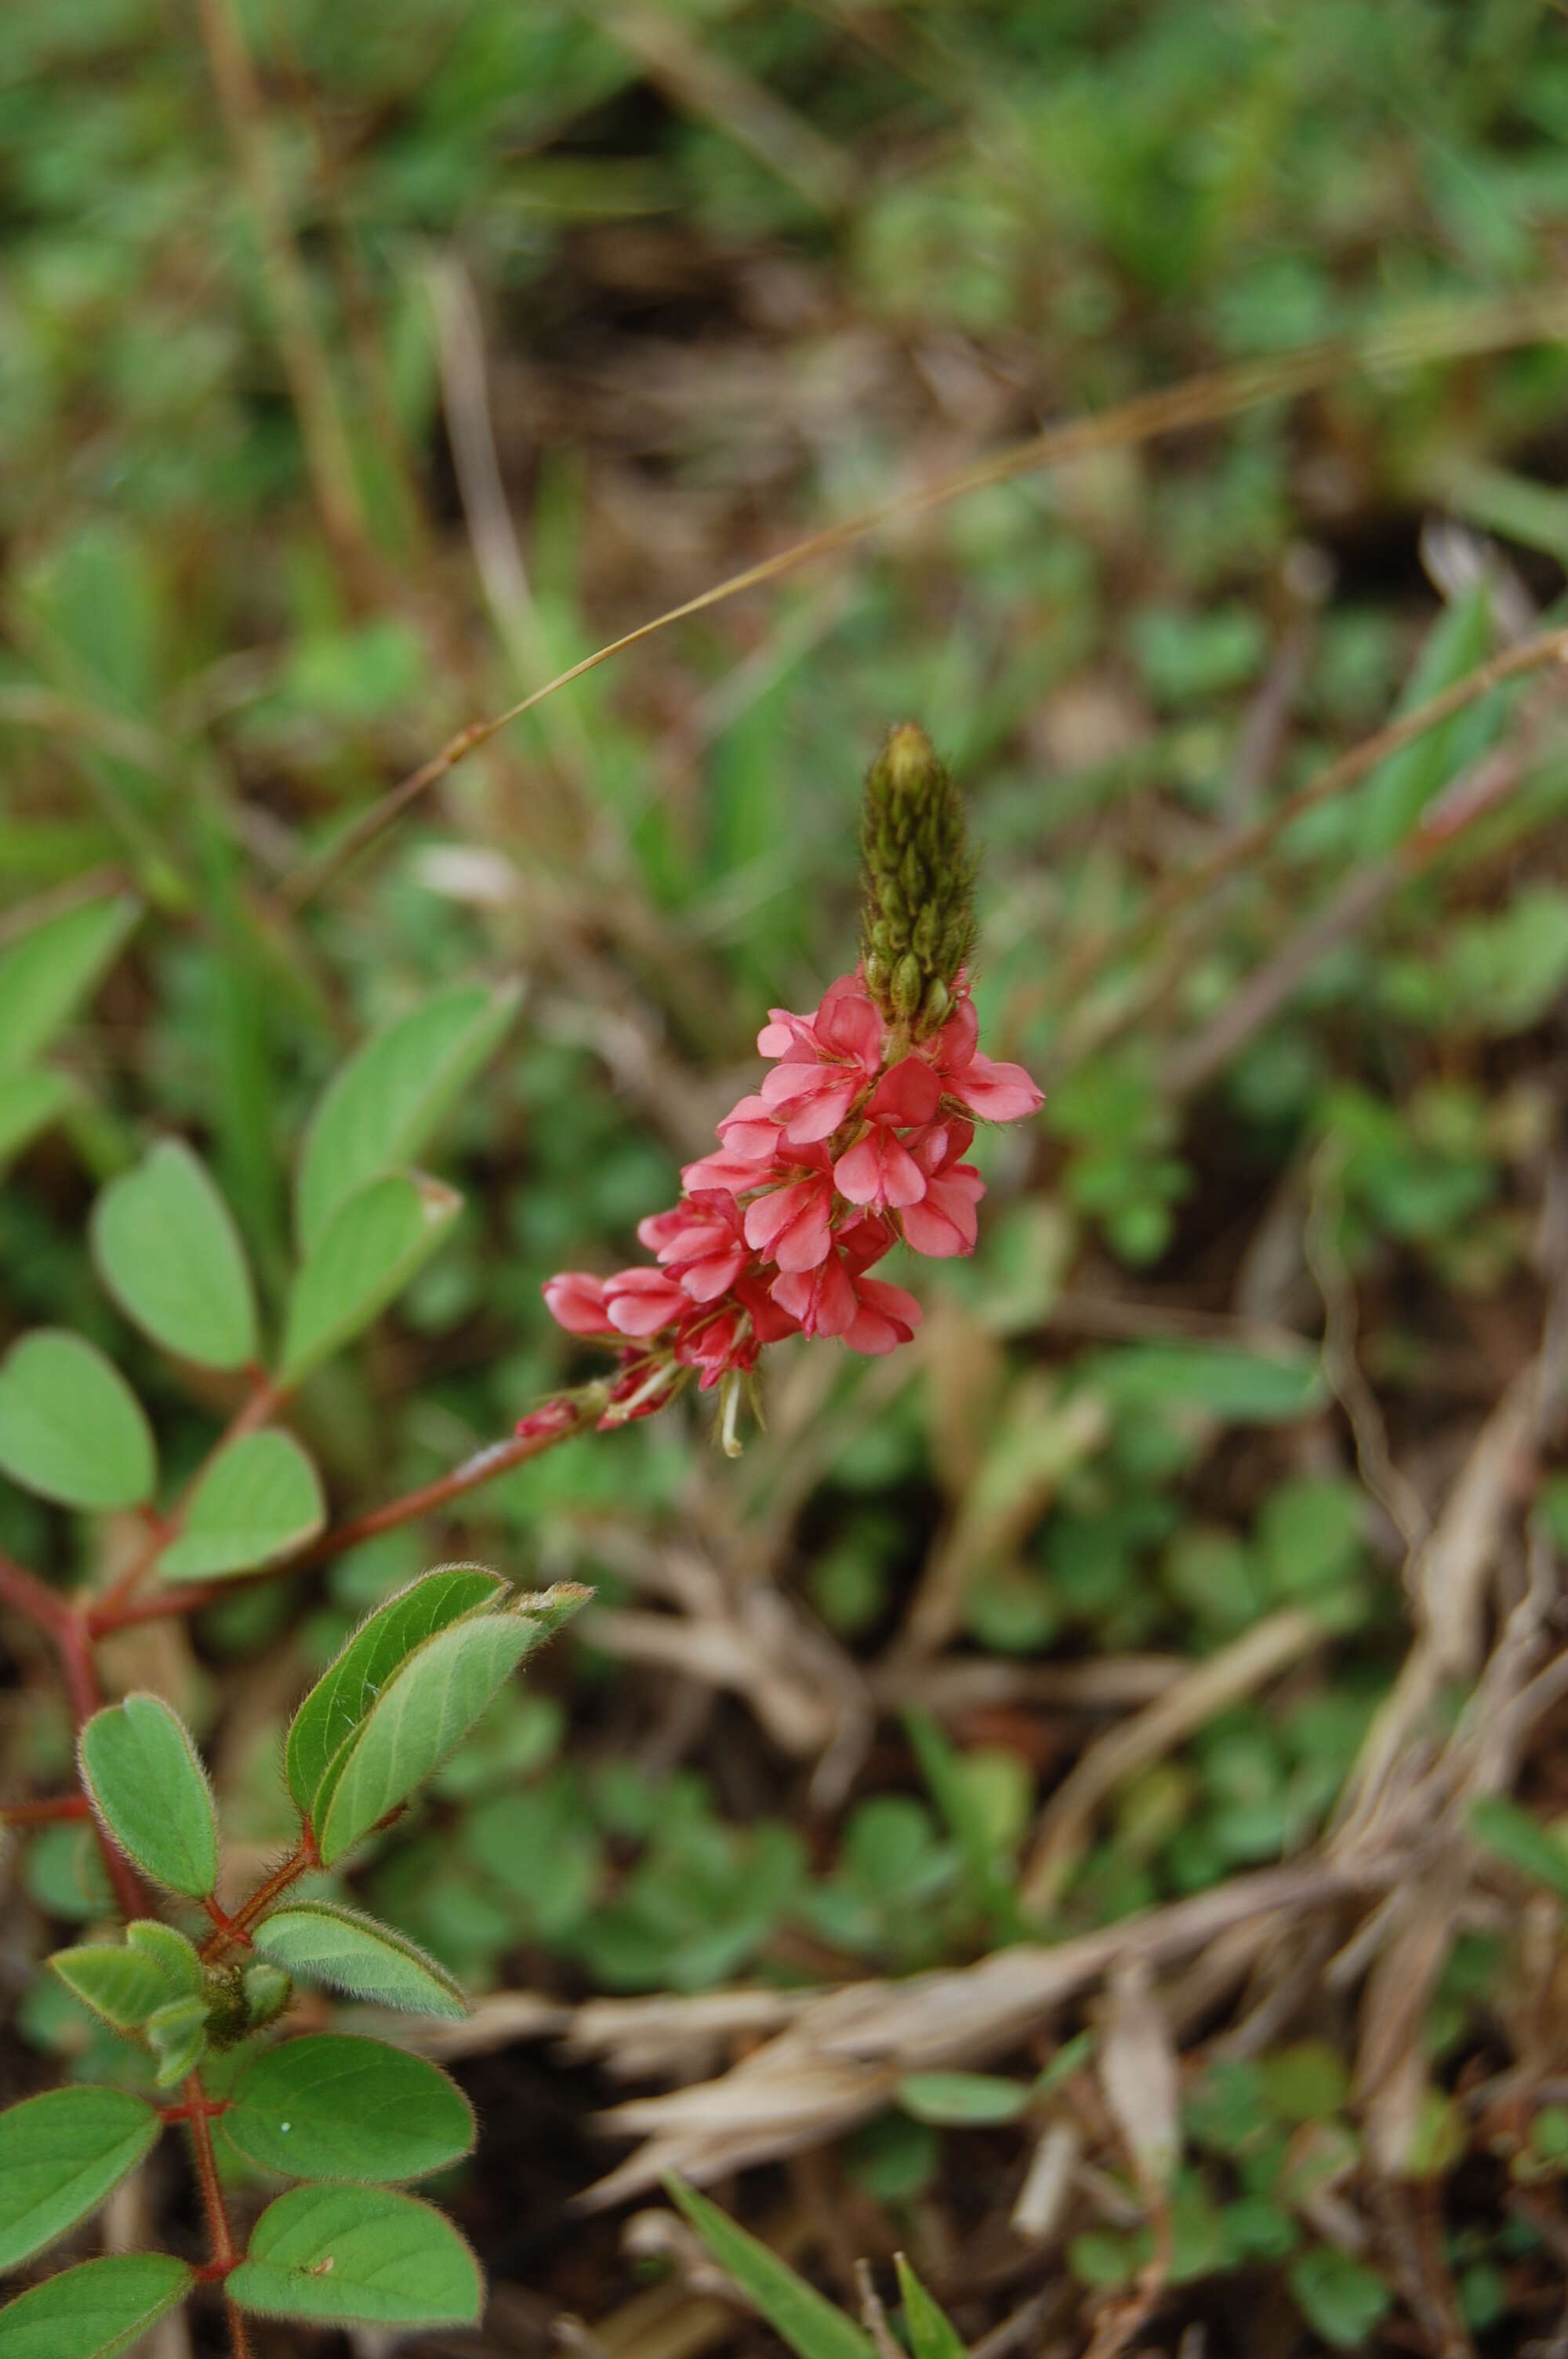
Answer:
(380, 1108)
(167, 1250)
(438, 1694)
(95, 2311)
(362, 2253)
(332, 2106)
(60, 2156)
(257, 1499)
(320, 1941)
(70, 1426)
(351, 1683)
(146, 1784)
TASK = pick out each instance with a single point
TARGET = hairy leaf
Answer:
(321, 1941)
(70, 1426)
(427, 1712)
(366, 1253)
(173, 1956)
(351, 1682)
(383, 1106)
(116, 1984)
(177, 2032)
(167, 1250)
(148, 1787)
(336, 2107)
(362, 2253)
(95, 2311)
(60, 2155)
(260, 1498)
(49, 970)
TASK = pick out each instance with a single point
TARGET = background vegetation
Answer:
(364, 367)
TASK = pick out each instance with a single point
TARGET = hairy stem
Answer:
(236, 1928)
(45, 1813)
(196, 2114)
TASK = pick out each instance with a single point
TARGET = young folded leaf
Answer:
(806, 2319)
(432, 1702)
(381, 1109)
(177, 2033)
(95, 2311)
(119, 1986)
(167, 1250)
(173, 1956)
(360, 2254)
(330, 2106)
(321, 1941)
(70, 1426)
(367, 1253)
(60, 2155)
(146, 1784)
(356, 1676)
(258, 1499)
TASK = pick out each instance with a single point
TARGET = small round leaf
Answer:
(70, 1426)
(168, 1252)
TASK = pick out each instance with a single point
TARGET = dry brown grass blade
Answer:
(1442, 332)
(842, 2058)
(1260, 1654)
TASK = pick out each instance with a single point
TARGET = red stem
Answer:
(25, 1593)
(236, 1928)
(45, 1813)
(500, 1458)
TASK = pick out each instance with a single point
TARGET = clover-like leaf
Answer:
(60, 2155)
(148, 1785)
(381, 1107)
(360, 2253)
(357, 1674)
(432, 1702)
(167, 1250)
(366, 1253)
(70, 1426)
(120, 1986)
(95, 2311)
(260, 1498)
(322, 1941)
(47, 971)
(330, 2107)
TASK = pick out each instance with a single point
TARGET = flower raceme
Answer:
(855, 1142)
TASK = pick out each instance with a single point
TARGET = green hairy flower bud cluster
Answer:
(918, 925)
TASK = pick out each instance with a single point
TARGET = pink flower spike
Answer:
(750, 1130)
(996, 1091)
(885, 1316)
(822, 1299)
(880, 1170)
(793, 1223)
(944, 1222)
(907, 1092)
(576, 1301)
(641, 1301)
(721, 1174)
